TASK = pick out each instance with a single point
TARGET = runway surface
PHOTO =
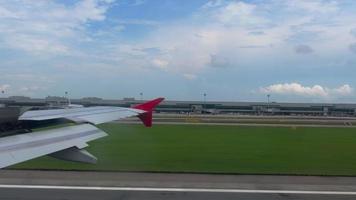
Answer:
(242, 124)
(249, 120)
(21, 184)
(87, 194)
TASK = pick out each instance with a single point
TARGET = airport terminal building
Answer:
(209, 107)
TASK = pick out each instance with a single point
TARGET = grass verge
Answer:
(218, 149)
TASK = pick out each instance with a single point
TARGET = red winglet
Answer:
(146, 117)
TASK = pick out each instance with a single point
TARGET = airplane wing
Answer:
(67, 142)
(94, 115)
(18, 148)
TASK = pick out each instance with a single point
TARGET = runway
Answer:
(31, 185)
(27, 192)
(247, 120)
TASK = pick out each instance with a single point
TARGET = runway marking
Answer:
(152, 189)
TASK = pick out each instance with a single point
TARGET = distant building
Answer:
(21, 98)
(91, 99)
(56, 100)
(129, 99)
(212, 107)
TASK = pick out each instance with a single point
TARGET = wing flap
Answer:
(20, 148)
(76, 155)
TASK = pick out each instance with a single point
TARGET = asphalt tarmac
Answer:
(63, 194)
(61, 185)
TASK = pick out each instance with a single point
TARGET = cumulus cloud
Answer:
(47, 26)
(343, 90)
(303, 49)
(314, 91)
(220, 33)
(295, 88)
(221, 30)
(234, 13)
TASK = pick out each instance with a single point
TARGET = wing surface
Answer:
(95, 115)
(19, 148)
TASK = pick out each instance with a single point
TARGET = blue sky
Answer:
(295, 50)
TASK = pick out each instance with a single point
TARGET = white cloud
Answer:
(224, 28)
(251, 35)
(46, 26)
(295, 88)
(313, 6)
(234, 13)
(314, 91)
(344, 90)
(186, 46)
(213, 3)
(160, 63)
(35, 44)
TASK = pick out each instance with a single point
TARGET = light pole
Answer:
(66, 96)
(2, 96)
(268, 97)
(204, 98)
(141, 95)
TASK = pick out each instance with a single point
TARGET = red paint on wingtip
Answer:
(150, 105)
(146, 117)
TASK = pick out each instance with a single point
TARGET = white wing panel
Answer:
(19, 148)
(95, 115)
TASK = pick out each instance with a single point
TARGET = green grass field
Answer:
(218, 149)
